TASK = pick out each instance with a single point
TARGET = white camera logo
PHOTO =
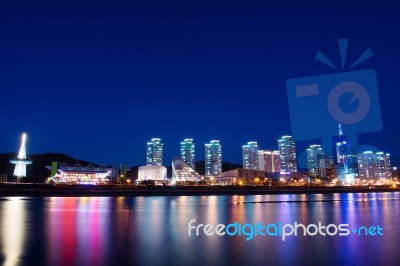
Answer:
(317, 105)
(359, 93)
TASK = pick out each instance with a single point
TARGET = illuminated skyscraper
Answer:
(384, 167)
(287, 152)
(314, 155)
(327, 168)
(213, 161)
(388, 165)
(187, 152)
(154, 154)
(341, 148)
(250, 155)
(374, 165)
(269, 161)
(21, 161)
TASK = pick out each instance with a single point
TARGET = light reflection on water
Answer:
(12, 230)
(153, 230)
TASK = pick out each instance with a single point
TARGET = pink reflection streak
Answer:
(61, 249)
(94, 232)
(77, 231)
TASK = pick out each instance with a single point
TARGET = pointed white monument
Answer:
(21, 161)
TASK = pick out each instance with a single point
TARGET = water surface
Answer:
(154, 230)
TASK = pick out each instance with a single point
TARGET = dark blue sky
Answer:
(97, 79)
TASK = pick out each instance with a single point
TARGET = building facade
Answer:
(61, 173)
(213, 158)
(389, 170)
(269, 161)
(287, 152)
(314, 155)
(327, 168)
(250, 156)
(182, 172)
(352, 164)
(242, 177)
(154, 154)
(374, 165)
(188, 152)
(340, 147)
(152, 172)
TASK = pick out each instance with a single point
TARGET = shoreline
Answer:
(46, 190)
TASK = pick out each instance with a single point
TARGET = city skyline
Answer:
(199, 132)
(253, 157)
(351, 168)
(98, 86)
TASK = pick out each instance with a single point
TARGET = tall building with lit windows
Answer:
(250, 155)
(374, 165)
(314, 155)
(154, 154)
(341, 150)
(213, 158)
(327, 168)
(287, 152)
(269, 161)
(188, 152)
(388, 165)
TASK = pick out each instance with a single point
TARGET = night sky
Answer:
(97, 79)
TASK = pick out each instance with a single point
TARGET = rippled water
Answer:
(154, 230)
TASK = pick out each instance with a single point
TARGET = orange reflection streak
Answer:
(122, 220)
(239, 212)
(212, 210)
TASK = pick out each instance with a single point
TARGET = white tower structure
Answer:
(21, 161)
